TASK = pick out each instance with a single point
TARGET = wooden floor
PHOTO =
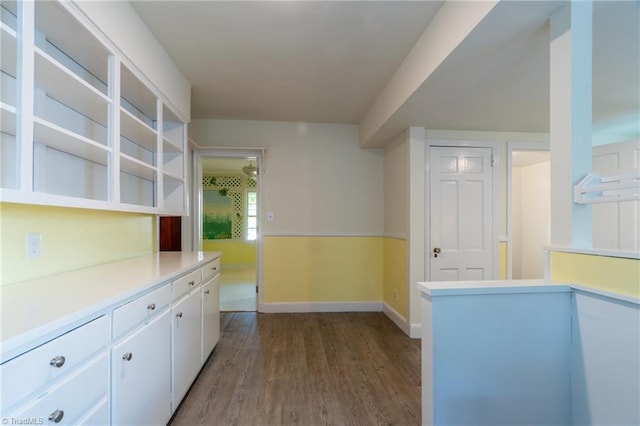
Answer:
(307, 369)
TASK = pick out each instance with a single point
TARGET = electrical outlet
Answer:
(395, 294)
(34, 245)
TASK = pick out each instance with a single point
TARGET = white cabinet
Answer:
(141, 378)
(64, 380)
(80, 128)
(187, 343)
(210, 316)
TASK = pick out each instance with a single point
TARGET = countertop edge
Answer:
(34, 337)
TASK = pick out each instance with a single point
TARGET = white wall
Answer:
(317, 181)
(531, 219)
(606, 361)
(396, 187)
(122, 25)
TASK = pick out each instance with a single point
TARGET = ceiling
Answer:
(225, 165)
(326, 61)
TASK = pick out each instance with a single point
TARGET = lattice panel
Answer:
(229, 181)
(236, 226)
(251, 183)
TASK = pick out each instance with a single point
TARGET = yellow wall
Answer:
(71, 239)
(614, 274)
(395, 275)
(322, 269)
(502, 260)
(233, 252)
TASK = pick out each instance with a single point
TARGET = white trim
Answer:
(596, 252)
(397, 319)
(416, 331)
(590, 291)
(503, 239)
(516, 146)
(394, 236)
(303, 307)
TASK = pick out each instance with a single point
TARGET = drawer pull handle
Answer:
(207, 292)
(191, 283)
(179, 315)
(151, 306)
(57, 362)
(56, 416)
(127, 356)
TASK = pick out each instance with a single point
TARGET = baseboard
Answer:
(397, 319)
(416, 331)
(291, 307)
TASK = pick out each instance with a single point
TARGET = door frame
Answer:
(511, 147)
(461, 143)
(200, 152)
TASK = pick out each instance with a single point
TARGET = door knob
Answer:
(436, 251)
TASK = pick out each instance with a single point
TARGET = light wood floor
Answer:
(307, 369)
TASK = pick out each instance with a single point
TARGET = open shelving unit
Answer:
(8, 95)
(80, 125)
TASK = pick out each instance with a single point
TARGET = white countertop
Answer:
(35, 311)
(452, 288)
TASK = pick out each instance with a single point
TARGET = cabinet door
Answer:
(187, 343)
(210, 316)
(141, 382)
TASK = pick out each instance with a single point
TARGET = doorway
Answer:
(529, 210)
(228, 222)
(461, 213)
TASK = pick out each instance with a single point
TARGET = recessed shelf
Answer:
(7, 119)
(169, 147)
(9, 14)
(9, 46)
(135, 167)
(137, 95)
(63, 140)
(134, 129)
(78, 47)
(66, 87)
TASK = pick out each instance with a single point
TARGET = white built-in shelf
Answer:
(135, 167)
(9, 45)
(99, 124)
(137, 131)
(8, 14)
(172, 177)
(66, 141)
(138, 95)
(66, 87)
(7, 119)
(76, 46)
(169, 148)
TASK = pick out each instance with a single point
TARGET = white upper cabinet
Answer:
(81, 127)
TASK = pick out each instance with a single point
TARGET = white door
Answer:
(210, 316)
(186, 344)
(616, 225)
(141, 373)
(461, 214)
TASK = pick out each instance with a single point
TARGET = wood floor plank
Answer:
(307, 369)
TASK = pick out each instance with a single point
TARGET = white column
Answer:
(570, 121)
(417, 218)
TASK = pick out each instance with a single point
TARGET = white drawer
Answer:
(186, 283)
(73, 398)
(33, 370)
(210, 270)
(97, 415)
(140, 310)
